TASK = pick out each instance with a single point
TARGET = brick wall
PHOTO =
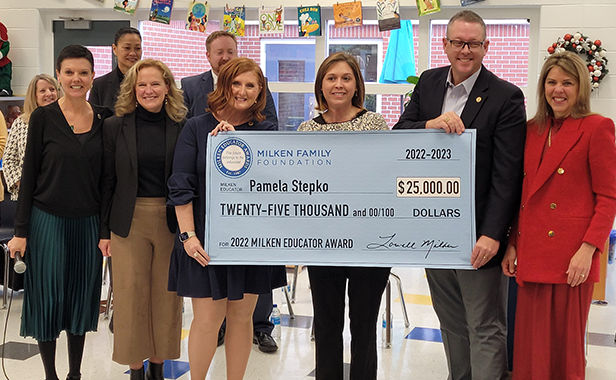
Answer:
(102, 59)
(184, 51)
(507, 54)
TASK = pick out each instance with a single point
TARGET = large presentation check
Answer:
(377, 198)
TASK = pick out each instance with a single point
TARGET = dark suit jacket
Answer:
(119, 179)
(495, 108)
(105, 90)
(197, 88)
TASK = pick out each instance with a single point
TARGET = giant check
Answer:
(377, 198)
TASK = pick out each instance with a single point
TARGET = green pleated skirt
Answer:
(62, 285)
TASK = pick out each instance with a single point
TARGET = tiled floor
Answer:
(416, 352)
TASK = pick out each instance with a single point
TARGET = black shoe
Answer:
(72, 377)
(265, 341)
(221, 337)
(155, 372)
(5, 93)
(137, 374)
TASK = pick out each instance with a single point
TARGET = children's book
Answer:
(233, 20)
(125, 6)
(347, 14)
(161, 11)
(388, 14)
(309, 21)
(271, 20)
(425, 7)
(197, 17)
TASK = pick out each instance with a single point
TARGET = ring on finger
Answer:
(447, 120)
(196, 254)
(582, 276)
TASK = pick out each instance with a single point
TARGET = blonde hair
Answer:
(30, 103)
(218, 99)
(127, 99)
(573, 66)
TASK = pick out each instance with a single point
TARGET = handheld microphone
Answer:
(19, 267)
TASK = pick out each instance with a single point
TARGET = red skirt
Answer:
(550, 326)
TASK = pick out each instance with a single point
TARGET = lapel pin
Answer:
(99, 116)
(478, 99)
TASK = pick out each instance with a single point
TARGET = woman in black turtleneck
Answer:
(137, 228)
(127, 49)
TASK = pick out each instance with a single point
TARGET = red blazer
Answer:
(568, 199)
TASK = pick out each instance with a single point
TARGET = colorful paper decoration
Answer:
(198, 14)
(271, 20)
(388, 14)
(234, 21)
(161, 11)
(309, 21)
(347, 14)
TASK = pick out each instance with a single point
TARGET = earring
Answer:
(166, 100)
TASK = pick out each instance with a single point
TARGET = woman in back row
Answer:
(42, 90)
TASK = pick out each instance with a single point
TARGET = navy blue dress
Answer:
(187, 184)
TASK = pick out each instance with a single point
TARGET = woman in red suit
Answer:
(566, 214)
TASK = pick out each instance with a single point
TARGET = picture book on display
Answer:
(161, 11)
(233, 21)
(125, 6)
(425, 7)
(198, 14)
(388, 14)
(271, 20)
(309, 21)
(347, 14)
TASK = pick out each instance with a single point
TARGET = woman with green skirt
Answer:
(56, 221)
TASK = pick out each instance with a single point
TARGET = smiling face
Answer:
(561, 92)
(245, 90)
(339, 86)
(128, 51)
(222, 50)
(46, 93)
(75, 77)
(465, 61)
(151, 89)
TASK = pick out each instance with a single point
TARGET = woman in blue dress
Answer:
(217, 291)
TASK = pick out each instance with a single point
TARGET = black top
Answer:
(60, 175)
(186, 185)
(105, 89)
(150, 157)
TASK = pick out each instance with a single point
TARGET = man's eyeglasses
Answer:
(459, 45)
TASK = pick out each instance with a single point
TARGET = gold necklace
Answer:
(550, 137)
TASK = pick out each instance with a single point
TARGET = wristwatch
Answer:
(187, 235)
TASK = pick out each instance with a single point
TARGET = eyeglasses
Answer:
(459, 45)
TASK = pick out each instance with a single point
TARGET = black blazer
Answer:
(197, 88)
(105, 90)
(495, 108)
(119, 179)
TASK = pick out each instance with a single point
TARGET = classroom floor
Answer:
(416, 351)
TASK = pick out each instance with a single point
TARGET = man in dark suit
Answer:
(221, 47)
(471, 304)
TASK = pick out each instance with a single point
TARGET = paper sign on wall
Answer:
(271, 20)
(197, 17)
(309, 21)
(125, 6)
(234, 19)
(161, 11)
(388, 14)
(347, 14)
